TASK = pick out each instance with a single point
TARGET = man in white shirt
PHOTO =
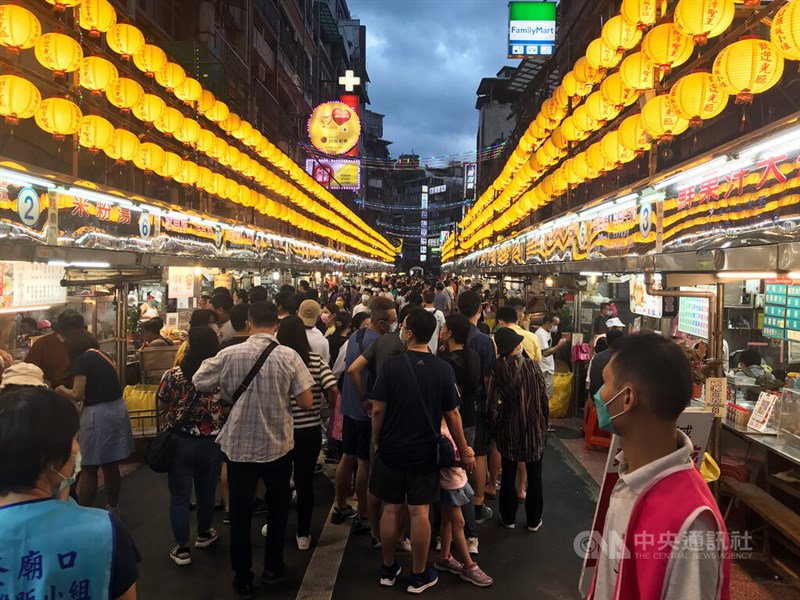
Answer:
(428, 297)
(258, 437)
(548, 363)
(363, 305)
(309, 313)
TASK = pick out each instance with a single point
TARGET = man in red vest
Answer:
(664, 536)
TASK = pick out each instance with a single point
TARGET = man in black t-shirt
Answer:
(413, 391)
(599, 325)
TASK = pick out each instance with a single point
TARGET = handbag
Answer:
(161, 451)
(445, 452)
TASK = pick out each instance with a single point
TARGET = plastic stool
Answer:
(593, 435)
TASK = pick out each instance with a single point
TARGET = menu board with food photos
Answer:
(693, 312)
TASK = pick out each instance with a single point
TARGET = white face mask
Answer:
(393, 327)
(364, 299)
(66, 482)
(554, 329)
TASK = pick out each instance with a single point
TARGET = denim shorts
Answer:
(458, 497)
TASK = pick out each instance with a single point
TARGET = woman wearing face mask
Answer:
(327, 318)
(518, 413)
(50, 544)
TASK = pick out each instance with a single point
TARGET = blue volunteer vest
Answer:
(54, 550)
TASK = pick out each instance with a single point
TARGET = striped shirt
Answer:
(259, 426)
(323, 380)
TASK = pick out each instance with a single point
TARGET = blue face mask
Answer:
(605, 419)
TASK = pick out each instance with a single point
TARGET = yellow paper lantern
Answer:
(576, 89)
(633, 136)
(660, 121)
(188, 173)
(97, 74)
(585, 72)
(150, 59)
(149, 109)
(614, 151)
(697, 97)
(188, 132)
(170, 166)
(96, 16)
(703, 19)
(243, 131)
(205, 102)
(571, 131)
(170, 121)
(583, 169)
(747, 67)
(95, 133)
(230, 157)
(231, 190)
(205, 140)
(245, 165)
(126, 40)
(19, 28)
(666, 47)
(220, 149)
(641, 13)
(560, 183)
(597, 159)
(218, 184)
(616, 92)
(583, 121)
(620, 35)
(123, 146)
(19, 99)
(188, 90)
(205, 178)
(601, 56)
(58, 117)
(170, 76)
(58, 52)
(543, 158)
(785, 31)
(125, 93)
(637, 72)
(61, 5)
(231, 123)
(219, 112)
(553, 111)
(561, 97)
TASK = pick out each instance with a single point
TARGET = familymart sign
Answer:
(531, 29)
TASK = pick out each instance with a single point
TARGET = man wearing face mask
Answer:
(50, 544)
(660, 493)
(363, 306)
(548, 363)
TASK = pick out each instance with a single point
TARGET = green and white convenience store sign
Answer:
(531, 29)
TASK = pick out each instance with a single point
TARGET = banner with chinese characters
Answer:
(91, 224)
(24, 285)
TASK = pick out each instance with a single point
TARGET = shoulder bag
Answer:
(445, 453)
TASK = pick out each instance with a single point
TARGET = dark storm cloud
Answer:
(425, 59)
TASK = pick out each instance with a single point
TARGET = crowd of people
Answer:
(424, 411)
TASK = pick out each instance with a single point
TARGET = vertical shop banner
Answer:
(695, 424)
(181, 282)
(470, 176)
(717, 395)
(351, 100)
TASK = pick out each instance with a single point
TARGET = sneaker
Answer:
(260, 507)
(476, 576)
(226, 518)
(504, 524)
(244, 589)
(361, 526)
(340, 515)
(537, 528)
(449, 564)
(438, 543)
(472, 544)
(419, 583)
(404, 545)
(181, 555)
(376, 542)
(303, 542)
(273, 577)
(264, 530)
(482, 514)
(206, 539)
(389, 574)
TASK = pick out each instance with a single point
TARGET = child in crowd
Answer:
(456, 492)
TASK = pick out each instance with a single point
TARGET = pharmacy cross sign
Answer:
(349, 81)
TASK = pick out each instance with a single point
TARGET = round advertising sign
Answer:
(334, 128)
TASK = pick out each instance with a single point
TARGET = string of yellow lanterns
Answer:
(692, 99)
(61, 54)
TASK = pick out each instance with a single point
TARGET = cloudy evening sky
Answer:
(425, 59)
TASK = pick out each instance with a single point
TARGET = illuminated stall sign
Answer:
(23, 208)
(643, 303)
(335, 174)
(782, 309)
(334, 128)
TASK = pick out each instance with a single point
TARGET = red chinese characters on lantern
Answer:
(771, 170)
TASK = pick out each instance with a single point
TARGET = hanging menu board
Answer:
(782, 309)
(31, 284)
(693, 313)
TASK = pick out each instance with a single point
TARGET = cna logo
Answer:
(590, 544)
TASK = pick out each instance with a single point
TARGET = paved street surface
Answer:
(523, 564)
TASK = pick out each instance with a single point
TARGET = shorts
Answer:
(460, 497)
(418, 487)
(356, 438)
(483, 438)
(549, 383)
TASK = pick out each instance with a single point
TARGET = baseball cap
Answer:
(309, 312)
